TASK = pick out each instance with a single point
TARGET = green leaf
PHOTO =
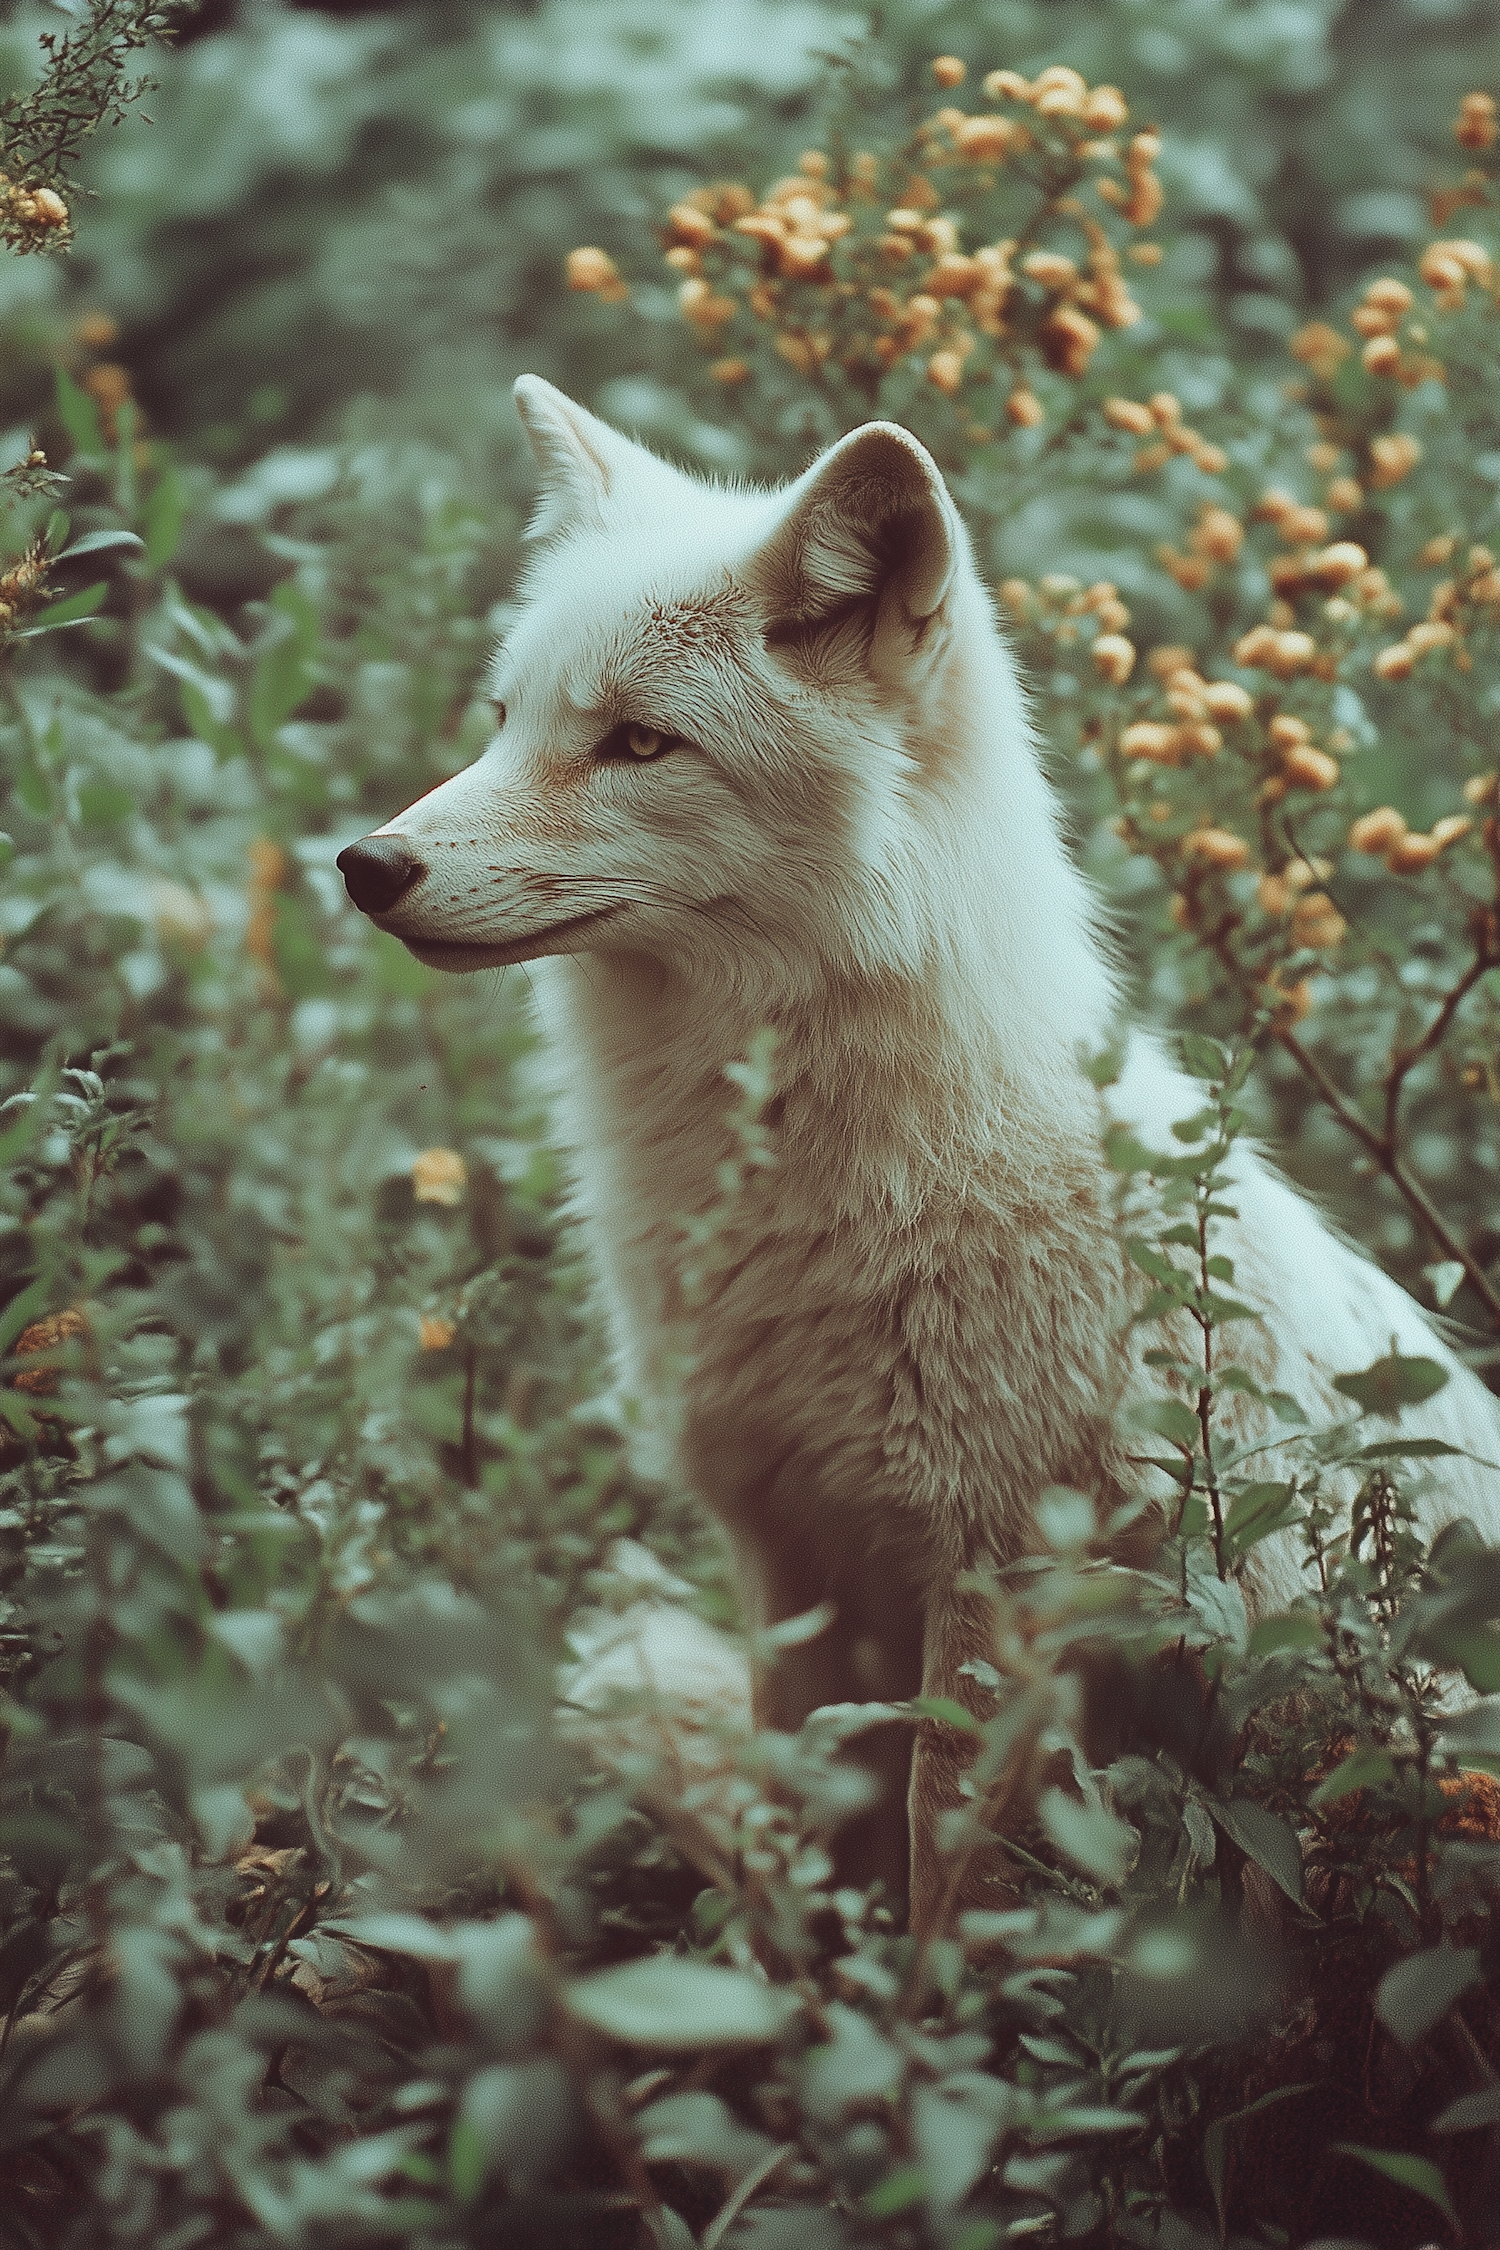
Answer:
(1216, 2136)
(1227, 1308)
(163, 515)
(71, 608)
(1418, 1992)
(1475, 1732)
(1476, 1652)
(283, 668)
(900, 2190)
(1362, 1769)
(1413, 1449)
(1157, 1264)
(675, 2004)
(1172, 1419)
(1294, 1628)
(467, 2160)
(1393, 1382)
(1266, 1839)
(1066, 1520)
(944, 1708)
(1089, 1835)
(1204, 1058)
(79, 415)
(15, 1411)
(1257, 1511)
(1470, 2113)
(22, 1311)
(98, 543)
(1414, 2172)
(1080, 2117)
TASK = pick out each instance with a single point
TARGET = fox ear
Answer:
(866, 554)
(582, 460)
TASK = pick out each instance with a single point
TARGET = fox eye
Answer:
(499, 710)
(634, 740)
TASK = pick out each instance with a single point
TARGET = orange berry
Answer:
(1114, 657)
(1218, 534)
(1409, 855)
(1149, 739)
(1306, 768)
(945, 372)
(1226, 699)
(1393, 456)
(1125, 414)
(1316, 921)
(1216, 847)
(593, 272)
(1292, 652)
(1375, 832)
(1475, 126)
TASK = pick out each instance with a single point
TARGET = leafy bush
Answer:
(317, 1926)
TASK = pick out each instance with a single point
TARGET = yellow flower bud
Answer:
(948, 70)
(436, 1335)
(439, 1175)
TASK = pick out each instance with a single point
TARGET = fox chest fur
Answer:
(901, 1331)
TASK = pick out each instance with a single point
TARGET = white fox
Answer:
(763, 760)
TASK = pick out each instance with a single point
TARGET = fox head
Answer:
(736, 728)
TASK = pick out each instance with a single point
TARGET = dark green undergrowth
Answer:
(317, 1926)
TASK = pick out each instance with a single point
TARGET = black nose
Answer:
(377, 871)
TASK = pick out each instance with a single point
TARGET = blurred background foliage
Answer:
(308, 1455)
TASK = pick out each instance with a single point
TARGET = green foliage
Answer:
(317, 1926)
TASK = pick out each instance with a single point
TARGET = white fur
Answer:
(916, 1317)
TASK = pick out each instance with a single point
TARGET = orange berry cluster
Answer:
(1449, 267)
(1455, 604)
(1159, 418)
(1199, 708)
(1383, 834)
(856, 265)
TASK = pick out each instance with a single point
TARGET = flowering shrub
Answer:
(1340, 597)
(314, 1927)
